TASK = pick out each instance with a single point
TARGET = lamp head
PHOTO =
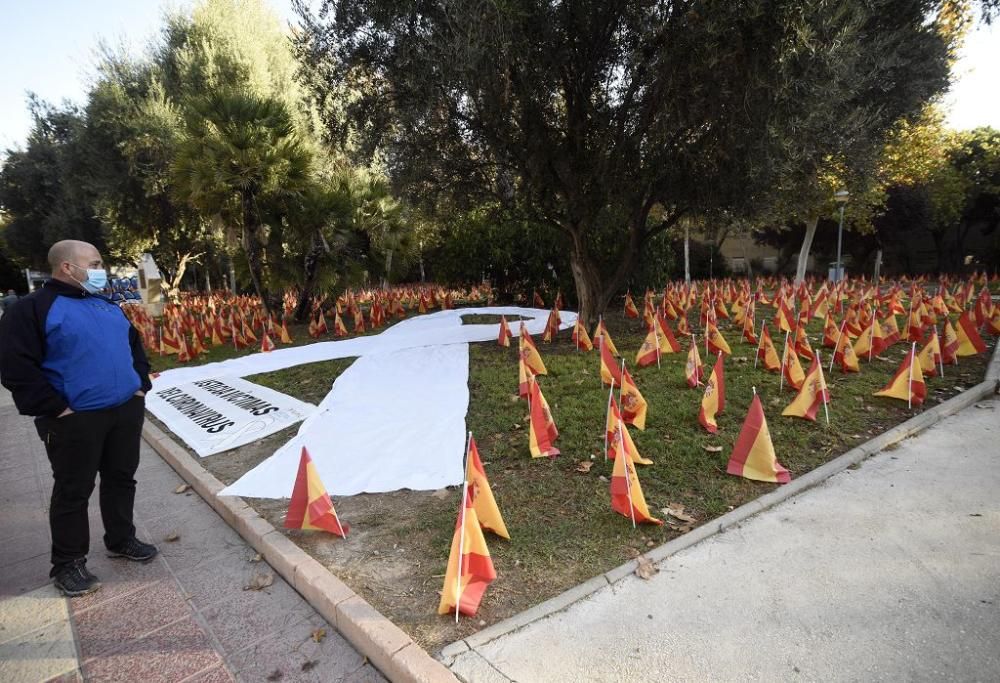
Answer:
(841, 196)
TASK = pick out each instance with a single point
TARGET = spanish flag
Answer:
(580, 337)
(630, 310)
(812, 395)
(217, 336)
(552, 326)
(505, 334)
(993, 324)
(748, 332)
(871, 342)
(320, 326)
(610, 372)
(541, 427)
(766, 351)
(791, 369)
(169, 342)
(949, 344)
(716, 342)
(626, 492)
(633, 404)
(753, 454)
(283, 331)
(930, 355)
(802, 346)
(714, 400)
(617, 437)
(537, 301)
(602, 338)
(969, 341)
(529, 352)
(692, 369)
(339, 328)
(831, 333)
(668, 343)
(483, 501)
(891, 330)
(311, 507)
(266, 345)
(359, 321)
(649, 352)
(908, 382)
(470, 567)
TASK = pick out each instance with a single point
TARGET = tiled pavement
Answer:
(186, 616)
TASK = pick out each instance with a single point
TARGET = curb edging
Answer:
(386, 645)
(734, 518)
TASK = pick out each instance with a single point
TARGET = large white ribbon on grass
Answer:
(394, 419)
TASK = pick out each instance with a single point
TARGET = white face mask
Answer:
(97, 279)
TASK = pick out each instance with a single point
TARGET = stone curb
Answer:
(384, 644)
(915, 424)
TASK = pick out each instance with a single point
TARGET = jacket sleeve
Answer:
(139, 360)
(22, 350)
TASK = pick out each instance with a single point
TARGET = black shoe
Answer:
(134, 549)
(75, 579)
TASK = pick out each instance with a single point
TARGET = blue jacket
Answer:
(61, 346)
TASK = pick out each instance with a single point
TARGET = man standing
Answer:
(71, 358)
(7, 301)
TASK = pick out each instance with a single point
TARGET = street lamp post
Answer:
(840, 197)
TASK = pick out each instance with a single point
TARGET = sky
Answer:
(48, 48)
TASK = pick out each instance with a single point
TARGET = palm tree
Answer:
(242, 161)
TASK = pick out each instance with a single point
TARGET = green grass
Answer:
(489, 319)
(562, 526)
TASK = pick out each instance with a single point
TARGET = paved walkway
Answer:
(183, 617)
(887, 572)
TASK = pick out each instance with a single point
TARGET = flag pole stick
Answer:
(628, 472)
(823, 388)
(600, 346)
(836, 347)
(940, 352)
(611, 395)
(621, 386)
(461, 546)
(760, 342)
(656, 337)
(909, 384)
(784, 354)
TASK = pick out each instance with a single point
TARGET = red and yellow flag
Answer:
(630, 310)
(766, 351)
(753, 454)
(633, 404)
(505, 334)
(949, 344)
(626, 492)
(266, 345)
(311, 507)
(791, 368)
(602, 338)
(969, 341)
(692, 369)
(580, 337)
(541, 427)
(714, 400)
(339, 328)
(470, 567)
(531, 360)
(649, 352)
(285, 337)
(611, 374)
(908, 382)
(616, 441)
(812, 395)
(802, 346)
(483, 501)
(930, 355)
(716, 342)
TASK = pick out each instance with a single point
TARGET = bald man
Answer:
(72, 360)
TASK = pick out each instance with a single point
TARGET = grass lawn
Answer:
(562, 527)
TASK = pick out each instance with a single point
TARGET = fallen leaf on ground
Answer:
(677, 510)
(182, 488)
(645, 569)
(275, 675)
(517, 426)
(713, 449)
(256, 558)
(319, 634)
(309, 665)
(985, 406)
(584, 466)
(171, 537)
(260, 582)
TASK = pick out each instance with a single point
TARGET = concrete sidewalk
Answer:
(186, 616)
(886, 572)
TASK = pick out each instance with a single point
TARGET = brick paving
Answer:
(186, 616)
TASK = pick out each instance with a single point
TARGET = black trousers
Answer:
(81, 445)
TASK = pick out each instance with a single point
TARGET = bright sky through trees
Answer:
(48, 48)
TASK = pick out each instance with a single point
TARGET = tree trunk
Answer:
(255, 262)
(173, 282)
(807, 240)
(687, 254)
(311, 270)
